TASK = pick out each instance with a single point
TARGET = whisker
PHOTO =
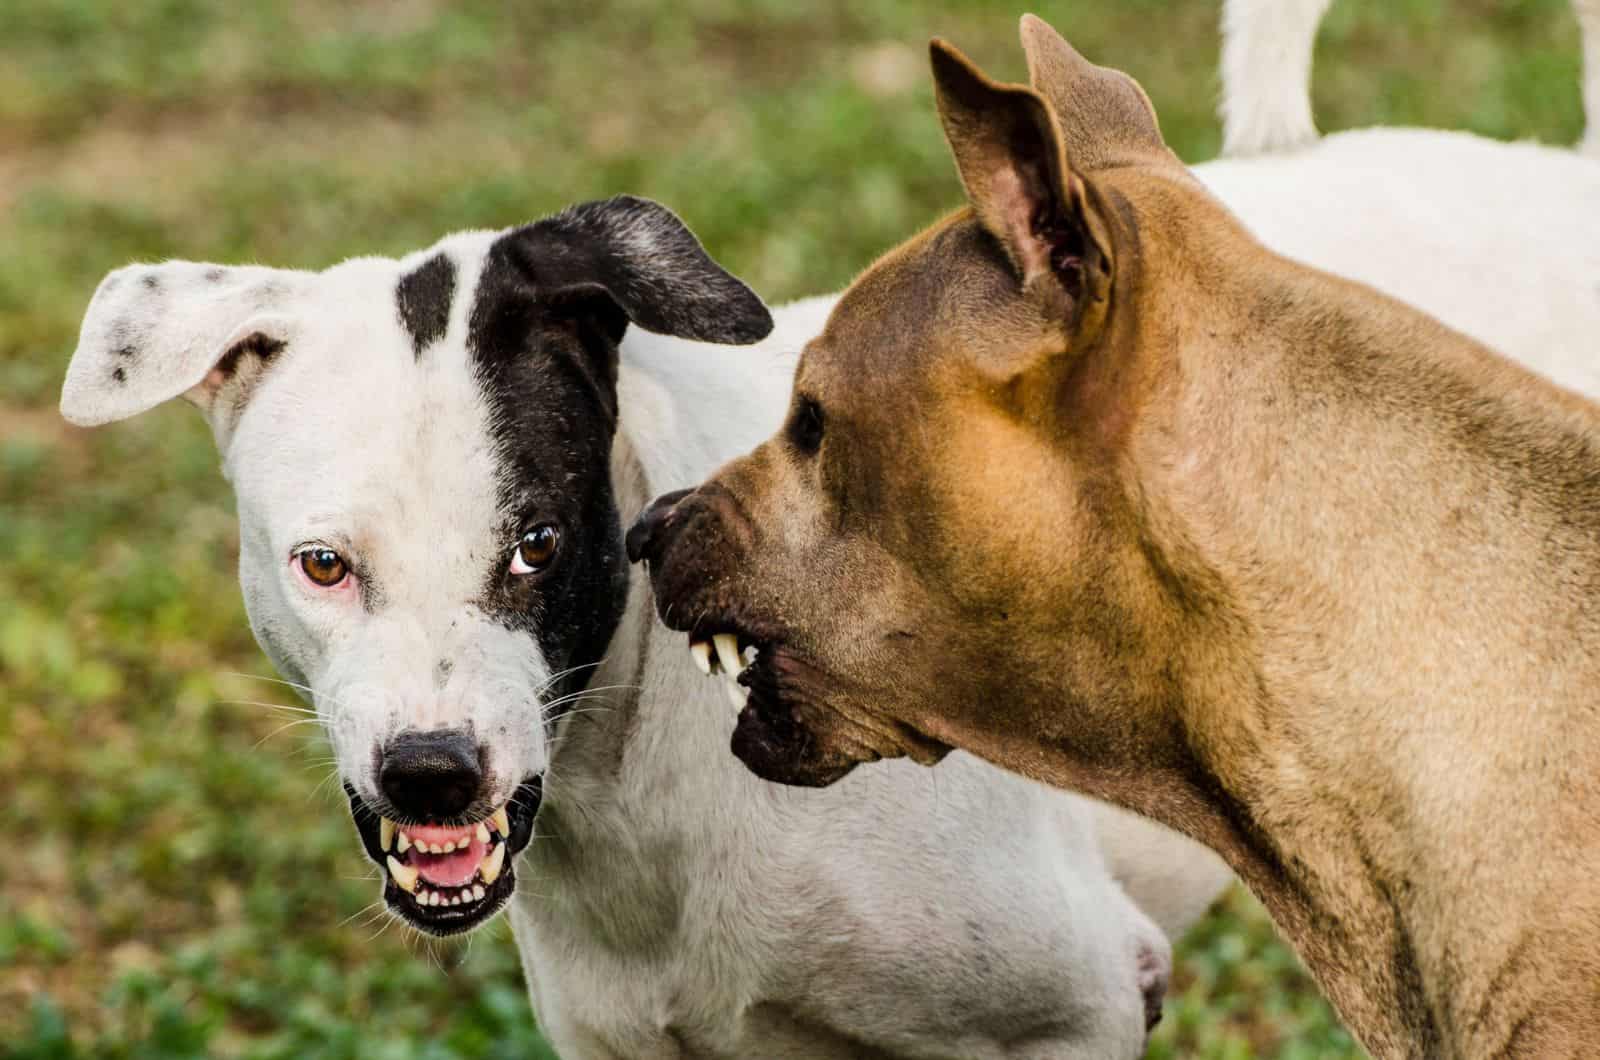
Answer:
(283, 727)
(267, 705)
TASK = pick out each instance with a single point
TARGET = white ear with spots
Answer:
(156, 332)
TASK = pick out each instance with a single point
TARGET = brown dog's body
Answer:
(1088, 482)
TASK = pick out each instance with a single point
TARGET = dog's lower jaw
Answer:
(459, 906)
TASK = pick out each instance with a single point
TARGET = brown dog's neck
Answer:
(1370, 624)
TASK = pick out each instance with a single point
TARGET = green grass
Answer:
(182, 879)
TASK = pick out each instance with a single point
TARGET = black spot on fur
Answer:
(126, 352)
(551, 305)
(151, 281)
(424, 295)
(215, 274)
(119, 374)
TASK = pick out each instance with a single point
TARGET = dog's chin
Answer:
(475, 890)
(776, 747)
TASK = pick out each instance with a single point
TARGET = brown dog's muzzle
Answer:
(694, 541)
(697, 544)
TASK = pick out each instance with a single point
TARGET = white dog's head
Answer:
(421, 455)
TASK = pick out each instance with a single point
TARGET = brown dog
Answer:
(1088, 482)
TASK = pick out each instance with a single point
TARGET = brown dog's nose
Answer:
(431, 776)
(644, 538)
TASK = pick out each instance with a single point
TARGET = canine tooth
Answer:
(490, 869)
(482, 833)
(735, 695)
(501, 821)
(385, 833)
(477, 892)
(728, 652)
(405, 877)
(701, 651)
(404, 843)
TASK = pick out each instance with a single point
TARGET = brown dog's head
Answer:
(935, 507)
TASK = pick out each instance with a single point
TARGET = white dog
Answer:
(434, 458)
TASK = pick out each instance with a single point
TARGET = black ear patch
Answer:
(646, 261)
(423, 296)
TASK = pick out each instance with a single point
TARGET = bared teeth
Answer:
(501, 822)
(385, 833)
(700, 651)
(490, 869)
(477, 892)
(482, 833)
(727, 646)
(404, 843)
(405, 877)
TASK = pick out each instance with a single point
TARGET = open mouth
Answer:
(449, 878)
(763, 676)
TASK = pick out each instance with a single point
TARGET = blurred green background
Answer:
(182, 877)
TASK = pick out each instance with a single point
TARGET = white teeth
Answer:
(405, 843)
(405, 877)
(728, 652)
(482, 833)
(490, 869)
(736, 694)
(385, 833)
(477, 892)
(501, 822)
(433, 898)
(701, 651)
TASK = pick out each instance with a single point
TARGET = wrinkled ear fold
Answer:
(638, 256)
(1009, 152)
(156, 332)
(1104, 116)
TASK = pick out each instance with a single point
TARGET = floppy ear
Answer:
(156, 332)
(1105, 118)
(1008, 149)
(638, 256)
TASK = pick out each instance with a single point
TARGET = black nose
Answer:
(641, 539)
(431, 776)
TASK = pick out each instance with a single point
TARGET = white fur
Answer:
(670, 904)
(1266, 74)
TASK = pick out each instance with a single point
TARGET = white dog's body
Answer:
(676, 906)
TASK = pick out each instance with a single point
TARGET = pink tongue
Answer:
(446, 870)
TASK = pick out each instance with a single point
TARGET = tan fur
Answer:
(1171, 520)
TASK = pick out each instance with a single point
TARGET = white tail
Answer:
(1266, 74)
(1588, 12)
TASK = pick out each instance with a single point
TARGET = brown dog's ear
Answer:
(1106, 119)
(1008, 150)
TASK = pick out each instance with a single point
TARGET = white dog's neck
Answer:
(616, 814)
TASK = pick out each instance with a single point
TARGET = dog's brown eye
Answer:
(323, 566)
(536, 549)
(805, 427)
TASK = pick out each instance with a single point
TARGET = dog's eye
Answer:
(536, 549)
(805, 426)
(324, 566)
